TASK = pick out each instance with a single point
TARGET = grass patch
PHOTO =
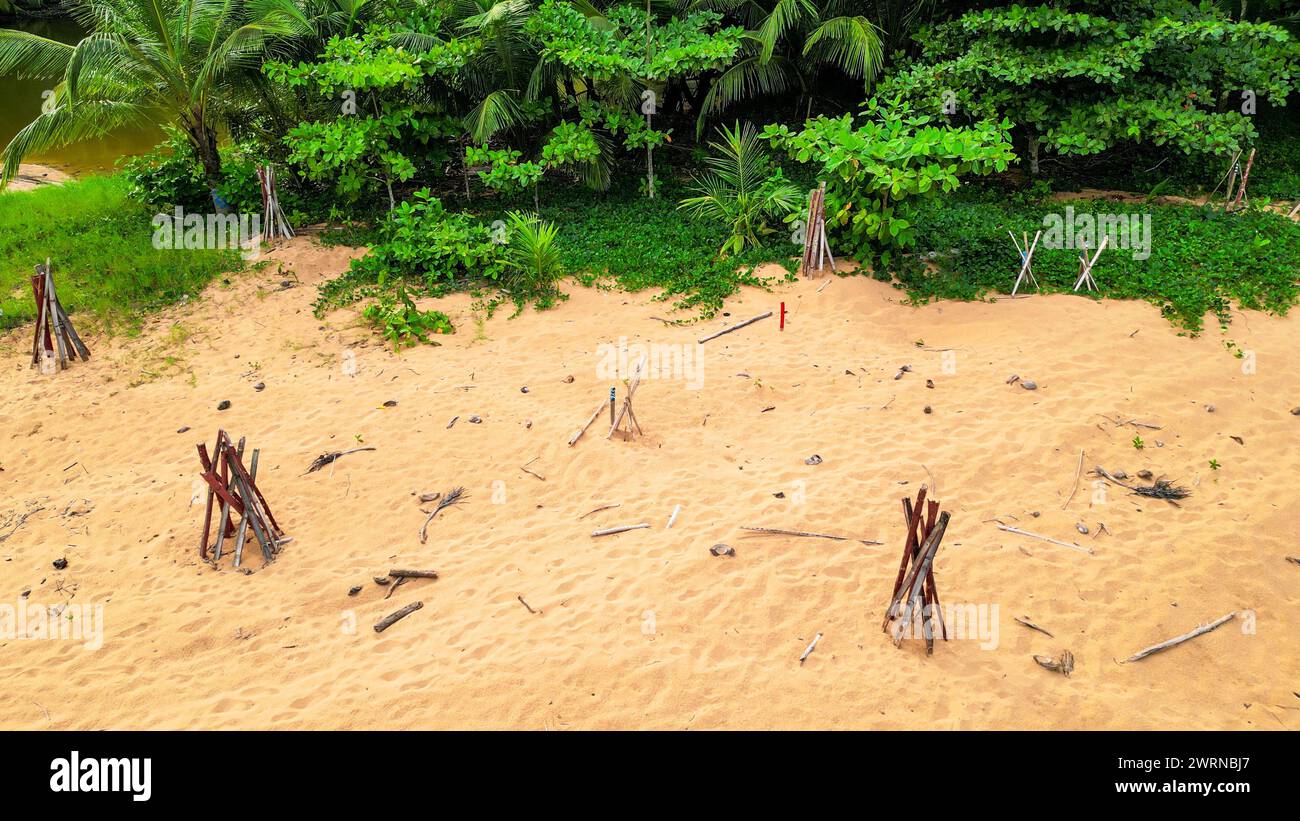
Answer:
(101, 245)
(1202, 259)
(637, 243)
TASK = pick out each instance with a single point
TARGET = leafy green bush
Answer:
(402, 323)
(1083, 78)
(421, 240)
(879, 167)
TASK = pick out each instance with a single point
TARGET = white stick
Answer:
(673, 518)
(811, 646)
(609, 531)
(1020, 532)
(735, 327)
(1165, 645)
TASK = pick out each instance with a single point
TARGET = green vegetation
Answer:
(1201, 259)
(741, 190)
(637, 243)
(1082, 81)
(503, 145)
(100, 243)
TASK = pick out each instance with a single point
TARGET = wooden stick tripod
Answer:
(616, 418)
(1237, 174)
(1026, 259)
(1085, 265)
(274, 224)
(815, 246)
(626, 410)
(56, 340)
(915, 583)
(235, 489)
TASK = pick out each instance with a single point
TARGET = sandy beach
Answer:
(534, 624)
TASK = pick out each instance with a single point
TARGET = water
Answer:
(20, 103)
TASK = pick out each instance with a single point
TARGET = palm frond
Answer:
(26, 55)
(785, 15)
(497, 111)
(850, 43)
(750, 77)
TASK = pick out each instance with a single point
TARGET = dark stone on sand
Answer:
(225, 403)
(60, 564)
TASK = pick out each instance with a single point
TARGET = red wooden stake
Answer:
(782, 316)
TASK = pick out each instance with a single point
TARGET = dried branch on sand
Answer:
(1163, 489)
(1165, 645)
(776, 531)
(329, 458)
(1027, 623)
(453, 496)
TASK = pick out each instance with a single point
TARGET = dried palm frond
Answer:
(1163, 489)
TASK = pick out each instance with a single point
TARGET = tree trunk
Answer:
(204, 140)
(1033, 154)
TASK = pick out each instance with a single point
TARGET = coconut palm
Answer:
(790, 41)
(177, 63)
(741, 189)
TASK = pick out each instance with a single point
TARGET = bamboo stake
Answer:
(1165, 645)
(673, 518)
(811, 646)
(575, 437)
(609, 531)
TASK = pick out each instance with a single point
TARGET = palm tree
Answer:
(790, 41)
(176, 63)
(740, 190)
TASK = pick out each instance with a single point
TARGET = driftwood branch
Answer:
(735, 327)
(393, 618)
(575, 437)
(776, 531)
(1027, 623)
(599, 509)
(1165, 645)
(413, 574)
(1048, 539)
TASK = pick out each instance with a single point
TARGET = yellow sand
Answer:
(646, 629)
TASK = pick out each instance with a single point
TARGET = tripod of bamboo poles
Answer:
(915, 590)
(1026, 251)
(274, 224)
(815, 247)
(56, 341)
(233, 488)
(1085, 265)
(1234, 196)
